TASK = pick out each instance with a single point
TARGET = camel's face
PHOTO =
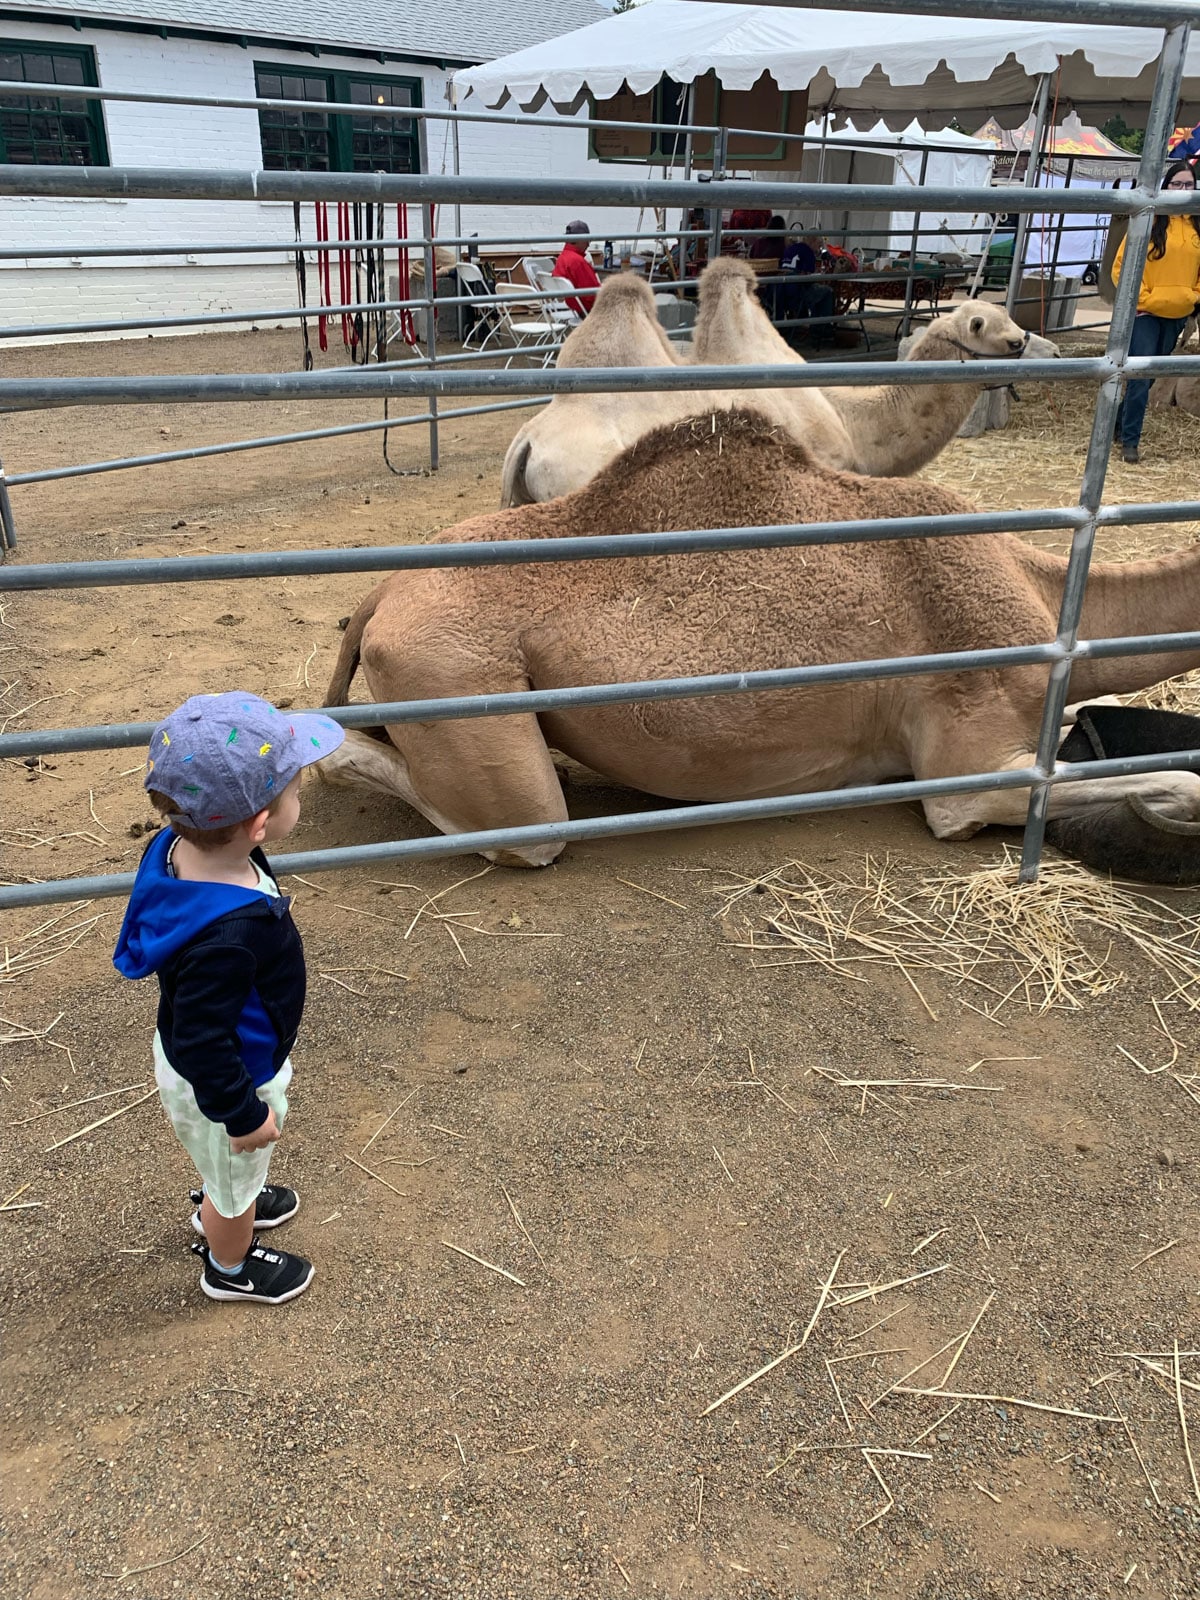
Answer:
(983, 329)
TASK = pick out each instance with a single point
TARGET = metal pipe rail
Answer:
(288, 247)
(205, 183)
(39, 394)
(200, 452)
(520, 552)
(124, 735)
(20, 90)
(671, 819)
(583, 547)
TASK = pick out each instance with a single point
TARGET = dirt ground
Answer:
(580, 1077)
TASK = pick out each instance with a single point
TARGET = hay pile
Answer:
(1054, 944)
(1175, 694)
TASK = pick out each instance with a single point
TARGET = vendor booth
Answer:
(854, 67)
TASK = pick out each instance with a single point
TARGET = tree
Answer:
(1119, 131)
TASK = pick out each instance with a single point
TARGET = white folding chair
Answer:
(535, 267)
(488, 317)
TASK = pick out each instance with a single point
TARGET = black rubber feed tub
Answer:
(1127, 837)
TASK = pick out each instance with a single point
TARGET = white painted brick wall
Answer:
(34, 293)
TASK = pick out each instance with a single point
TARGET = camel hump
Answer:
(727, 275)
(621, 330)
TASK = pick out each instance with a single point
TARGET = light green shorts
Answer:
(232, 1180)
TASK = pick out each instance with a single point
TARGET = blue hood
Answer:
(165, 912)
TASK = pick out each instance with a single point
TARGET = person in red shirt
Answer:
(574, 265)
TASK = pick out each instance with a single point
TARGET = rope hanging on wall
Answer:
(405, 321)
(323, 272)
(302, 287)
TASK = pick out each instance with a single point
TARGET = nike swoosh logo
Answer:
(242, 1288)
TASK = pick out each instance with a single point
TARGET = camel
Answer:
(884, 431)
(463, 631)
(892, 429)
(622, 330)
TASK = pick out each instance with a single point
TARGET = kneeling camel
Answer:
(436, 633)
(886, 430)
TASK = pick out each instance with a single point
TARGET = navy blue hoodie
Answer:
(231, 981)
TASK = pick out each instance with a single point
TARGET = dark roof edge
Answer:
(168, 30)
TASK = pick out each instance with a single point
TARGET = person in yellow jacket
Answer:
(1169, 295)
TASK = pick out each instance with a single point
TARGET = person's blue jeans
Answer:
(1152, 336)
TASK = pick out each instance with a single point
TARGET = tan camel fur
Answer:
(622, 330)
(881, 431)
(437, 633)
(1181, 392)
(886, 431)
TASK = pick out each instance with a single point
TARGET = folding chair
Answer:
(535, 267)
(487, 315)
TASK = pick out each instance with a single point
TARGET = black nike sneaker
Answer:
(274, 1205)
(268, 1277)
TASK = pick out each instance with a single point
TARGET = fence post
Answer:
(910, 280)
(719, 150)
(1040, 118)
(1159, 125)
(431, 328)
(8, 527)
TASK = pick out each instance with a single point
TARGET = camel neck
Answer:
(1125, 600)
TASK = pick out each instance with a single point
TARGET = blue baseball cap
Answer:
(222, 758)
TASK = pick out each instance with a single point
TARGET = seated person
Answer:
(734, 243)
(690, 255)
(770, 246)
(574, 265)
(802, 255)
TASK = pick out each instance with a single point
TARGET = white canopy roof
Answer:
(852, 63)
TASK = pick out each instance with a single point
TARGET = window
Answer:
(50, 130)
(316, 141)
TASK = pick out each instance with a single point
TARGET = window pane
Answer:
(294, 140)
(67, 69)
(10, 65)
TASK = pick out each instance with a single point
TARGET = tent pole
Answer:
(720, 144)
(910, 280)
(1040, 117)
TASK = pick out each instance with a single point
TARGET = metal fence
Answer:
(429, 380)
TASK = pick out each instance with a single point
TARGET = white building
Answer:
(398, 52)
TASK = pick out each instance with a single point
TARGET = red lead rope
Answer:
(344, 272)
(408, 328)
(322, 221)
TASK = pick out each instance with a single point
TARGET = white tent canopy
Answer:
(853, 64)
(942, 159)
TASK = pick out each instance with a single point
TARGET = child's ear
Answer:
(256, 828)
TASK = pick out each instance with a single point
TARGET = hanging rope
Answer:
(302, 287)
(405, 322)
(321, 213)
(344, 272)
(358, 348)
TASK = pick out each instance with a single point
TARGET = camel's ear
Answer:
(976, 324)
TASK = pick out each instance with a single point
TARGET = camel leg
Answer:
(979, 745)
(467, 776)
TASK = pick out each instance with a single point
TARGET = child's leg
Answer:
(228, 1237)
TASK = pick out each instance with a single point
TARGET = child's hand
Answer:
(259, 1139)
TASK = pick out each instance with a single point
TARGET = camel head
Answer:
(979, 329)
(621, 330)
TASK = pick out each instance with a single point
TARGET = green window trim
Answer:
(46, 130)
(316, 141)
